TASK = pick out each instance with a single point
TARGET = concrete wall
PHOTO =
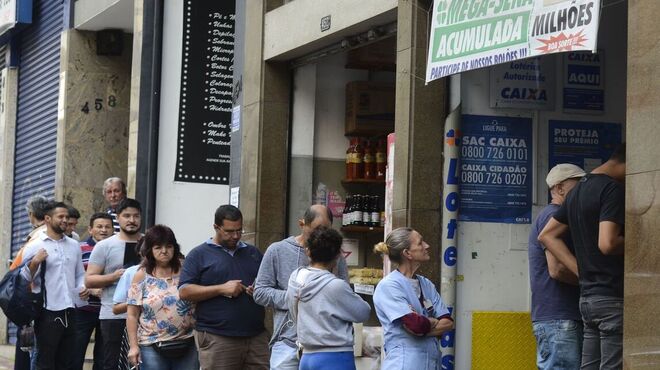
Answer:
(641, 342)
(347, 17)
(8, 90)
(187, 208)
(91, 146)
(496, 278)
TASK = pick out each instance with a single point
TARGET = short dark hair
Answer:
(36, 205)
(619, 153)
(159, 235)
(311, 215)
(49, 208)
(128, 203)
(73, 212)
(227, 212)
(98, 215)
(324, 244)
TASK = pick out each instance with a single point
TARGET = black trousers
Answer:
(21, 359)
(55, 332)
(86, 323)
(112, 332)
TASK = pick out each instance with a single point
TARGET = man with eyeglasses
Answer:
(218, 276)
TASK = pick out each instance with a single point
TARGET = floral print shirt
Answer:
(164, 316)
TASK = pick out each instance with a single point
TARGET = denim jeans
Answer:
(558, 344)
(152, 360)
(328, 361)
(603, 332)
(283, 357)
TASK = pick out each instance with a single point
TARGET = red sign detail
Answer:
(562, 43)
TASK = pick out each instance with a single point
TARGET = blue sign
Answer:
(496, 169)
(585, 144)
(583, 82)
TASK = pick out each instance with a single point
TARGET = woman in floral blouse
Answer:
(159, 324)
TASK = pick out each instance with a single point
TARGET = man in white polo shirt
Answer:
(64, 276)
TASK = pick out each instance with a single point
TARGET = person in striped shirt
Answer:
(114, 191)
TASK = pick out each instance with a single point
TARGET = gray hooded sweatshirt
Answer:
(280, 260)
(325, 308)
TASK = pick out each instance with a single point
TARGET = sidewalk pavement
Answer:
(7, 357)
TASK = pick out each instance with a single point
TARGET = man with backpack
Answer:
(64, 277)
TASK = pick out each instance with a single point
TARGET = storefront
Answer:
(512, 121)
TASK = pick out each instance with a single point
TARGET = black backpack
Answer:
(19, 304)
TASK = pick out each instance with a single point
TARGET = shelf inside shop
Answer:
(362, 229)
(362, 181)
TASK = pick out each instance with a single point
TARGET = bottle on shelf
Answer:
(356, 218)
(381, 159)
(366, 210)
(346, 214)
(369, 160)
(354, 160)
(375, 211)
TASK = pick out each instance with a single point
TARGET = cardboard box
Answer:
(369, 108)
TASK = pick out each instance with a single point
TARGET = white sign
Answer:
(524, 84)
(364, 289)
(471, 34)
(350, 249)
(236, 118)
(7, 15)
(563, 26)
(233, 196)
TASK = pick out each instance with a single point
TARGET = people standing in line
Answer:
(64, 277)
(87, 317)
(324, 307)
(408, 306)
(114, 191)
(107, 263)
(157, 317)
(556, 319)
(70, 231)
(594, 213)
(280, 260)
(218, 276)
(34, 207)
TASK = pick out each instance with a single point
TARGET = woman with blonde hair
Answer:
(408, 306)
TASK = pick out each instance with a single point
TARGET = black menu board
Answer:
(205, 103)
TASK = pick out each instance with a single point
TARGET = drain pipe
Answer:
(451, 200)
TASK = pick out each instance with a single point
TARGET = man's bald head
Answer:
(315, 211)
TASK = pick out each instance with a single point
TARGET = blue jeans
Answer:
(283, 357)
(328, 361)
(603, 332)
(558, 344)
(152, 360)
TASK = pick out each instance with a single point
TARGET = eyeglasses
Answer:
(237, 232)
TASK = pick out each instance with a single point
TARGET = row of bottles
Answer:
(363, 210)
(366, 159)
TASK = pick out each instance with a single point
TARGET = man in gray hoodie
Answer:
(279, 261)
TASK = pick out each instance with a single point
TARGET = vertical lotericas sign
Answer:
(205, 103)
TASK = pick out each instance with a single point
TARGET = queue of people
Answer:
(151, 307)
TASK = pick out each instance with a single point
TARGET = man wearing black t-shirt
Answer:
(594, 214)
